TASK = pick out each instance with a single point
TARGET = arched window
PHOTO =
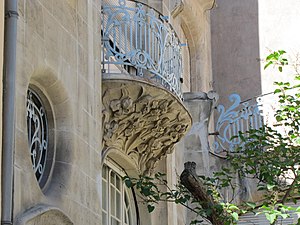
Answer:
(118, 207)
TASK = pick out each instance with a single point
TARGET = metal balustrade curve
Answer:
(142, 42)
(240, 116)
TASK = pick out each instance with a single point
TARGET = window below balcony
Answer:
(118, 207)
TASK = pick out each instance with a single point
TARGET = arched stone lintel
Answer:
(194, 15)
(48, 215)
(119, 157)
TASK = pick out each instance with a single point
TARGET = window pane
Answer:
(112, 177)
(104, 195)
(116, 200)
(129, 217)
(118, 182)
(119, 204)
(104, 218)
(112, 201)
(104, 172)
(125, 216)
(115, 222)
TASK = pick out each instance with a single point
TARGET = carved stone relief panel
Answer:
(143, 121)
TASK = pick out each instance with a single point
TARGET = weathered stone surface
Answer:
(142, 120)
(59, 52)
(43, 214)
(55, 54)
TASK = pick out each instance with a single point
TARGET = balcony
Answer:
(137, 37)
(241, 116)
(141, 72)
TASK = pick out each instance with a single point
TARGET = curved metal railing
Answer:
(241, 116)
(140, 40)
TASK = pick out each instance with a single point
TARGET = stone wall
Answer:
(191, 19)
(243, 33)
(58, 55)
(235, 49)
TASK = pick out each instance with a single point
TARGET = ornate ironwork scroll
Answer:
(136, 35)
(239, 117)
(37, 133)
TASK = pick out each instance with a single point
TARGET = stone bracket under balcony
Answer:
(142, 120)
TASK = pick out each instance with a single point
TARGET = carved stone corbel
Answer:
(142, 121)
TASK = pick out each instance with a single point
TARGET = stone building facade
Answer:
(87, 113)
(110, 88)
(58, 113)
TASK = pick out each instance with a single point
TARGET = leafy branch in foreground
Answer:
(197, 194)
(269, 156)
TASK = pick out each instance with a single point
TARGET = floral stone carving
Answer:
(143, 121)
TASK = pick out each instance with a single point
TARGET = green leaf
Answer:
(279, 118)
(284, 215)
(150, 208)
(194, 222)
(233, 207)
(268, 64)
(146, 190)
(277, 91)
(235, 216)
(270, 186)
(270, 217)
(251, 204)
(128, 183)
(281, 52)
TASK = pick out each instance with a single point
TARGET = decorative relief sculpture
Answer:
(143, 124)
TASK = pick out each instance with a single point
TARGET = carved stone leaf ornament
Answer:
(143, 122)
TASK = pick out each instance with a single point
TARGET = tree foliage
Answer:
(270, 156)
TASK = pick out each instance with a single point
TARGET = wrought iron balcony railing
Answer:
(138, 39)
(242, 116)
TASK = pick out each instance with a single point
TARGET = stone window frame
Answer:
(46, 175)
(112, 181)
